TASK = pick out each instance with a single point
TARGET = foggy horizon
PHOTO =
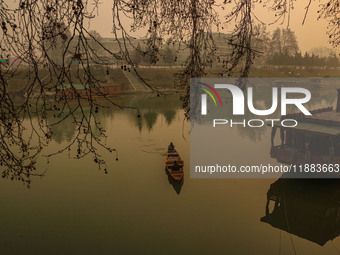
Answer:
(305, 33)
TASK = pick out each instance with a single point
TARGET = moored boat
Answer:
(174, 165)
(314, 140)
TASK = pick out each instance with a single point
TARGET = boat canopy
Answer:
(318, 128)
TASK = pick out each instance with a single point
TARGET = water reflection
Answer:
(148, 109)
(169, 115)
(151, 107)
(64, 132)
(176, 185)
(306, 208)
(128, 210)
(150, 118)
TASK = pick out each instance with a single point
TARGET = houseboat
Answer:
(314, 140)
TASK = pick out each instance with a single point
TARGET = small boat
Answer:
(174, 165)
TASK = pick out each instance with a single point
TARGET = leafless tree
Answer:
(43, 40)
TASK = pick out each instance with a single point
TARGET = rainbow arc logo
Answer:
(209, 93)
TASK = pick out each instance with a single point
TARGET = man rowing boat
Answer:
(171, 147)
(176, 166)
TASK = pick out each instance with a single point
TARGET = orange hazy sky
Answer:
(311, 34)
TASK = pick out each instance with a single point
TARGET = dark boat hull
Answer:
(171, 158)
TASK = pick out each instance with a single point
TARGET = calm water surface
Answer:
(135, 208)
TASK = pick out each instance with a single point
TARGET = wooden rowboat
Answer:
(174, 165)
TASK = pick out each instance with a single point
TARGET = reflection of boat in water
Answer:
(309, 209)
(315, 139)
(177, 185)
(174, 165)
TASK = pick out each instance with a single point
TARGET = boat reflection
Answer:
(176, 185)
(308, 208)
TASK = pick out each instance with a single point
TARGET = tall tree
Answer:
(55, 45)
(275, 44)
(289, 42)
(137, 56)
(283, 42)
(169, 56)
(260, 43)
(94, 42)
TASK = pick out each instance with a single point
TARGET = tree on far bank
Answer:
(289, 42)
(333, 60)
(275, 43)
(94, 42)
(137, 56)
(261, 42)
(322, 52)
(283, 41)
(169, 56)
(56, 46)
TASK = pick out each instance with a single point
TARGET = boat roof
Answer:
(320, 128)
(331, 117)
(77, 86)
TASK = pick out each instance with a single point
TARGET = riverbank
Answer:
(163, 79)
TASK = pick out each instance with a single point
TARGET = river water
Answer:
(137, 209)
